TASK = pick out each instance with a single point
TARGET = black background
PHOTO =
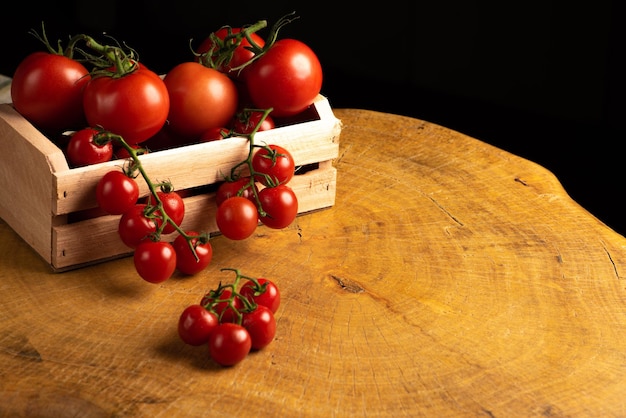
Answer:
(541, 79)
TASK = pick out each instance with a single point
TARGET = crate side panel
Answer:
(26, 166)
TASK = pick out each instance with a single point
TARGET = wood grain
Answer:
(451, 278)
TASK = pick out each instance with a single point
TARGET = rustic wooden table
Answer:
(451, 278)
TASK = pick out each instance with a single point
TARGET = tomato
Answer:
(122, 153)
(116, 193)
(82, 151)
(195, 324)
(229, 344)
(155, 261)
(201, 98)
(237, 218)
(261, 325)
(240, 187)
(47, 89)
(267, 294)
(186, 260)
(164, 139)
(215, 134)
(246, 121)
(276, 163)
(134, 226)
(224, 309)
(280, 205)
(240, 55)
(174, 207)
(286, 78)
(134, 106)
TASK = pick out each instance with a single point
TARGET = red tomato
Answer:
(286, 78)
(280, 205)
(237, 218)
(245, 122)
(240, 187)
(201, 98)
(155, 261)
(274, 162)
(195, 324)
(116, 193)
(229, 344)
(186, 260)
(134, 226)
(47, 89)
(82, 151)
(267, 294)
(122, 153)
(134, 106)
(174, 207)
(215, 134)
(240, 55)
(261, 325)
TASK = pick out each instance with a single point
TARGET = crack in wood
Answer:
(612, 263)
(348, 285)
(522, 182)
(444, 210)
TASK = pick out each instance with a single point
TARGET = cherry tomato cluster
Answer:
(232, 319)
(142, 224)
(210, 97)
(261, 195)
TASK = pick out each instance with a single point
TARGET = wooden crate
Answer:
(48, 203)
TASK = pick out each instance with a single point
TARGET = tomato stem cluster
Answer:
(235, 171)
(222, 50)
(112, 60)
(236, 302)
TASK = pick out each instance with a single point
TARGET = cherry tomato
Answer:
(134, 106)
(286, 78)
(240, 55)
(134, 226)
(267, 294)
(116, 193)
(195, 324)
(261, 325)
(186, 261)
(224, 310)
(155, 261)
(215, 134)
(82, 151)
(246, 121)
(276, 163)
(47, 89)
(122, 153)
(237, 218)
(174, 207)
(201, 98)
(280, 205)
(240, 187)
(229, 344)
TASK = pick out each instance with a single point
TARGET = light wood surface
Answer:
(451, 278)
